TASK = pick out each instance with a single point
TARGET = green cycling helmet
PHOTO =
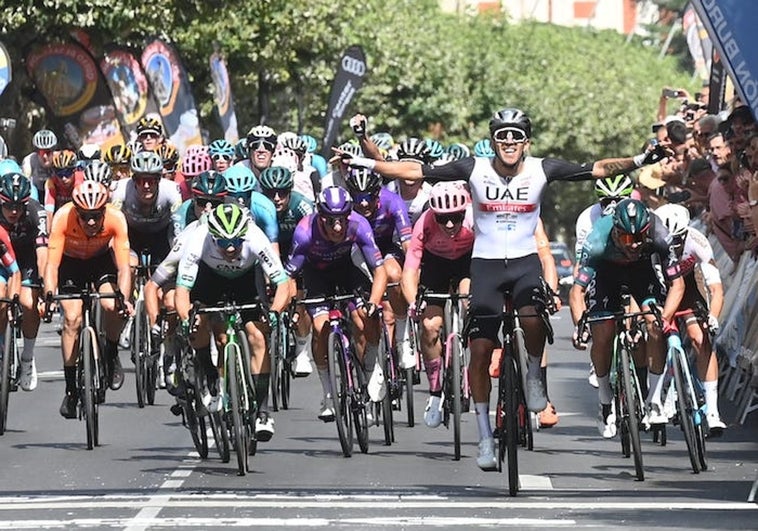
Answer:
(228, 221)
(276, 178)
(631, 217)
(614, 187)
(209, 184)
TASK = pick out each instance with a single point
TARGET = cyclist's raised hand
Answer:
(359, 125)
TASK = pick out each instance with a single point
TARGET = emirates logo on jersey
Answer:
(507, 207)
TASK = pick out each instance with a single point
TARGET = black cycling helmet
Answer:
(511, 118)
(362, 181)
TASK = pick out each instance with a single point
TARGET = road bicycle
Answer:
(346, 374)
(90, 373)
(628, 401)
(144, 355)
(513, 420)
(9, 371)
(456, 394)
(238, 389)
(282, 346)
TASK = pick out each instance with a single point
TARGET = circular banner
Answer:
(66, 76)
(128, 84)
(5, 68)
(162, 70)
(220, 76)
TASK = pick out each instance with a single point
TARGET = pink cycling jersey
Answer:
(428, 236)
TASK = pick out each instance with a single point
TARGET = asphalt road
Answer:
(146, 474)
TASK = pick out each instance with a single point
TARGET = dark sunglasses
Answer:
(90, 215)
(149, 135)
(242, 198)
(366, 197)
(204, 202)
(220, 156)
(225, 243)
(141, 180)
(509, 134)
(14, 206)
(64, 172)
(273, 192)
(630, 239)
(257, 145)
(455, 218)
(44, 152)
(332, 221)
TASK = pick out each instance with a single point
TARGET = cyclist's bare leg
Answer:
(431, 346)
(113, 322)
(260, 363)
(600, 354)
(28, 299)
(655, 349)
(707, 367)
(480, 383)
(396, 315)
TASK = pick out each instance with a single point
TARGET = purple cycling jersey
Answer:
(309, 244)
(391, 216)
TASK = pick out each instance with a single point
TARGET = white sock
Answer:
(656, 386)
(304, 342)
(533, 367)
(482, 410)
(326, 385)
(604, 393)
(712, 397)
(27, 354)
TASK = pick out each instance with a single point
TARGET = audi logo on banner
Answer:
(353, 66)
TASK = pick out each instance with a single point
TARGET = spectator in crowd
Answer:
(702, 130)
(700, 174)
(724, 220)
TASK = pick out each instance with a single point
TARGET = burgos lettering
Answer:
(353, 66)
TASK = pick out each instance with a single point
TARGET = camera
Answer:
(668, 93)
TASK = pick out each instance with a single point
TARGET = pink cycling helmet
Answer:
(449, 197)
(196, 162)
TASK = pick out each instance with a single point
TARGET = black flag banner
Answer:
(347, 81)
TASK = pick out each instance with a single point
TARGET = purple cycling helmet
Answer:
(334, 201)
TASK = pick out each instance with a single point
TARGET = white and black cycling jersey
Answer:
(507, 209)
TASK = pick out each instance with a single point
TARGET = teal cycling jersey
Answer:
(186, 214)
(299, 206)
(264, 214)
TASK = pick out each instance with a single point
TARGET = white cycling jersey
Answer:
(256, 248)
(418, 204)
(166, 270)
(698, 250)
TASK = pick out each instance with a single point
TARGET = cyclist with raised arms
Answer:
(25, 221)
(439, 258)
(506, 192)
(386, 213)
(221, 263)
(631, 248)
(89, 244)
(321, 250)
(695, 252)
(277, 185)
(609, 192)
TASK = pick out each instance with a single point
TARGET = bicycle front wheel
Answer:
(632, 411)
(275, 354)
(235, 385)
(358, 404)
(454, 359)
(9, 356)
(687, 406)
(340, 397)
(88, 376)
(509, 434)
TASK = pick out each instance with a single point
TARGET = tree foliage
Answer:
(590, 93)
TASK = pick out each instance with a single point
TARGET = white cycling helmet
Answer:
(676, 218)
(44, 139)
(147, 162)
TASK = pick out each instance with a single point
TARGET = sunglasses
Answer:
(149, 135)
(14, 206)
(630, 239)
(64, 172)
(510, 135)
(225, 243)
(273, 192)
(90, 215)
(44, 152)
(366, 197)
(333, 221)
(724, 178)
(261, 144)
(221, 157)
(142, 180)
(206, 202)
(242, 198)
(454, 218)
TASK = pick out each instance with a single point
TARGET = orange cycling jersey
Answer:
(68, 238)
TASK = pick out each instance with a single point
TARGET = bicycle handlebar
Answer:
(80, 295)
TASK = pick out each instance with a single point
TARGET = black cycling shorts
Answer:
(490, 279)
(155, 243)
(643, 279)
(439, 274)
(342, 277)
(75, 274)
(211, 289)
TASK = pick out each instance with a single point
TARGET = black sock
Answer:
(111, 349)
(262, 382)
(70, 374)
(543, 370)
(204, 357)
(436, 393)
(642, 378)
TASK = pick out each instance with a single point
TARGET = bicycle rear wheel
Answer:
(340, 396)
(510, 430)
(139, 353)
(220, 435)
(358, 404)
(275, 354)
(88, 375)
(409, 376)
(687, 406)
(9, 357)
(632, 410)
(387, 421)
(234, 382)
